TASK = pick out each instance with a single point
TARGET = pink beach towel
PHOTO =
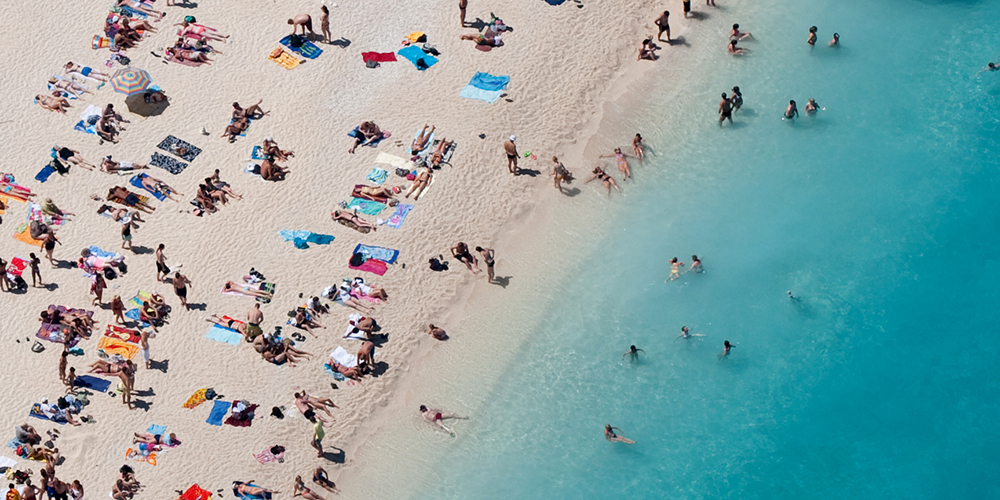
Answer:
(372, 266)
(378, 56)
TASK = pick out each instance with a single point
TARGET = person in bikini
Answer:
(252, 113)
(187, 55)
(358, 222)
(437, 417)
(601, 175)
(622, 160)
(739, 35)
(300, 489)
(155, 185)
(69, 87)
(53, 102)
(675, 269)
(437, 157)
(421, 141)
(245, 290)
(487, 254)
(213, 182)
(191, 30)
(609, 434)
(461, 252)
(270, 171)
(420, 183)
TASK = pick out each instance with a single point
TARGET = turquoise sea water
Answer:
(880, 214)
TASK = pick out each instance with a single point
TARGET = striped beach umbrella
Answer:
(130, 81)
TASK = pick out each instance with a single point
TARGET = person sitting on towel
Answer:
(233, 130)
(368, 132)
(270, 171)
(272, 150)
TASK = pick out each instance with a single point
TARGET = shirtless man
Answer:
(725, 110)
(112, 167)
(233, 130)
(487, 254)
(161, 263)
(461, 252)
(696, 265)
(791, 111)
(308, 409)
(420, 142)
(86, 72)
(254, 319)
(271, 148)
(53, 103)
(420, 183)
(252, 113)
(609, 434)
(663, 23)
(633, 353)
(436, 417)
(462, 5)
(368, 132)
(270, 171)
(366, 355)
(739, 35)
(303, 20)
(511, 149)
(686, 333)
(180, 283)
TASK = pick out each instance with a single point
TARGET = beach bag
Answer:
(437, 265)
(357, 259)
(210, 393)
(110, 274)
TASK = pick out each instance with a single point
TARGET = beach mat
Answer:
(266, 496)
(366, 207)
(219, 411)
(93, 383)
(378, 57)
(196, 399)
(167, 163)
(267, 287)
(44, 173)
(196, 492)
(396, 219)
(136, 181)
(386, 255)
(372, 266)
(303, 238)
(224, 335)
(88, 120)
(378, 175)
(171, 142)
(430, 140)
(284, 58)
(354, 134)
(156, 429)
(418, 57)
(301, 47)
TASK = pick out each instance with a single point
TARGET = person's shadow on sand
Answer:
(503, 281)
(162, 365)
(337, 458)
(341, 42)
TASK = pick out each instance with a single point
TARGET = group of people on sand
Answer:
(29, 447)
(461, 252)
(241, 118)
(192, 45)
(214, 191)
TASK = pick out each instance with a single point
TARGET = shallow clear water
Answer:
(880, 214)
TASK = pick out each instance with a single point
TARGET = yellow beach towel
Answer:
(415, 36)
(196, 399)
(282, 57)
(24, 235)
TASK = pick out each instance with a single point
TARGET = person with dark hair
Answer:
(725, 110)
(437, 416)
(487, 254)
(791, 111)
(609, 434)
(812, 36)
(725, 350)
(633, 353)
(663, 24)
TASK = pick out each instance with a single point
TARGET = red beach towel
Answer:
(379, 56)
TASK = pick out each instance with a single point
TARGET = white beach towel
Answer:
(341, 356)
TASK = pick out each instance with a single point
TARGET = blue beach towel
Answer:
(430, 142)
(336, 375)
(386, 255)
(257, 153)
(303, 238)
(303, 48)
(101, 254)
(44, 173)
(156, 429)
(266, 496)
(219, 411)
(136, 181)
(82, 127)
(397, 217)
(470, 92)
(366, 207)
(378, 175)
(486, 81)
(134, 314)
(95, 384)
(418, 57)
(224, 335)
(354, 134)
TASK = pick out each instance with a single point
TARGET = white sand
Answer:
(562, 61)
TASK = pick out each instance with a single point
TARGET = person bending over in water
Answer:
(696, 264)
(726, 346)
(622, 160)
(791, 111)
(633, 353)
(609, 182)
(811, 107)
(609, 434)
(736, 34)
(637, 147)
(437, 416)
(734, 50)
(836, 40)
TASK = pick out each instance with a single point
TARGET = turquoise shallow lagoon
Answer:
(880, 214)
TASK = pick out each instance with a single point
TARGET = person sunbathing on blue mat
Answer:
(253, 112)
(241, 488)
(157, 186)
(420, 141)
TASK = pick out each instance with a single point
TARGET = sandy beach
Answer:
(561, 72)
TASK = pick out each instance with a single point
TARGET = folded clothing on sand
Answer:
(243, 418)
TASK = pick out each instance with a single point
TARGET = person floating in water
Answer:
(725, 351)
(633, 352)
(686, 333)
(812, 107)
(696, 265)
(791, 111)
(990, 67)
(609, 434)
(836, 40)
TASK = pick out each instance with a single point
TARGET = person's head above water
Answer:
(736, 26)
(631, 348)
(728, 345)
(791, 103)
(724, 96)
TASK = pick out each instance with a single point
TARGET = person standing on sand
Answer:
(303, 20)
(487, 254)
(35, 273)
(318, 435)
(663, 23)
(725, 110)
(180, 283)
(710, 2)
(63, 363)
(144, 347)
(687, 8)
(462, 4)
(560, 173)
(254, 319)
(609, 434)
(511, 149)
(324, 24)
(161, 263)
(98, 287)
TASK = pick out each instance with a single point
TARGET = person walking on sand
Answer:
(725, 110)
(97, 286)
(63, 363)
(34, 261)
(609, 434)
(663, 24)
(726, 346)
(254, 319)
(127, 236)
(633, 353)
(560, 173)
(487, 254)
(324, 24)
(318, 435)
(303, 20)
(638, 148)
(710, 3)
(687, 8)
(462, 4)
(118, 309)
(437, 416)
(511, 149)
(180, 283)
(161, 263)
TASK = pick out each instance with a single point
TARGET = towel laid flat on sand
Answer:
(218, 414)
(485, 87)
(386, 255)
(284, 58)
(136, 181)
(378, 56)
(195, 492)
(21, 233)
(378, 175)
(93, 383)
(418, 57)
(301, 47)
(44, 173)
(88, 120)
(174, 145)
(224, 335)
(396, 219)
(167, 163)
(303, 238)
(394, 160)
(372, 266)
(366, 207)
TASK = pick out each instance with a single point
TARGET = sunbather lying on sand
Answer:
(270, 171)
(121, 195)
(271, 149)
(121, 215)
(85, 71)
(253, 112)
(437, 157)
(113, 167)
(68, 86)
(308, 407)
(192, 30)
(353, 221)
(241, 488)
(182, 55)
(487, 38)
(420, 142)
(53, 102)
(157, 186)
(71, 156)
(378, 191)
(280, 352)
(343, 295)
(138, 24)
(420, 183)
(245, 290)
(351, 373)
(213, 194)
(49, 208)
(233, 130)
(368, 132)
(228, 323)
(198, 45)
(300, 489)
(104, 368)
(360, 288)
(137, 6)
(306, 324)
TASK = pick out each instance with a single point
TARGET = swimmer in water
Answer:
(696, 265)
(812, 36)
(633, 352)
(791, 111)
(836, 40)
(686, 333)
(990, 67)
(812, 107)
(622, 160)
(609, 434)
(726, 347)
(637, 147)
(675, 269)
(792, 297)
